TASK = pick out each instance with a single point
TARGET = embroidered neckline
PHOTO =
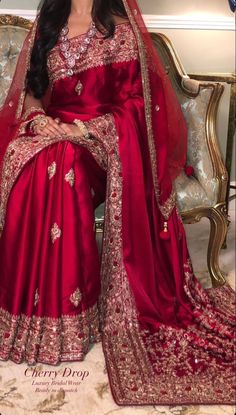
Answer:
(65, 47)
(81, 35)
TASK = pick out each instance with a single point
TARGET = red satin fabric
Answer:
(154, 267)
(28, 259)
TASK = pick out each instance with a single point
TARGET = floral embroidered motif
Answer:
(52, 170)
(79, 88)
(70, 177)
(121, 48)
(76, 297)
(55, 232)
(65, 339)
(36, 297)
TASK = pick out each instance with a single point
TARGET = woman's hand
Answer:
(72, 130)
(53, 127)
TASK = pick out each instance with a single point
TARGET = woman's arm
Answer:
(31, 102)
(33, 113)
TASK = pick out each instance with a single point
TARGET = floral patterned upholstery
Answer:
(202, 189)
(192, 192)
(11, 40)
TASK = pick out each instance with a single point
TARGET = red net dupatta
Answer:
(11, 111)
(166, 126)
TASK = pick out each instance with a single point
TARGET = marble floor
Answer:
(91, 395)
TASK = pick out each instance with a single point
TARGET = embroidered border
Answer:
(122, 48)
(175, 366)
(46, 339)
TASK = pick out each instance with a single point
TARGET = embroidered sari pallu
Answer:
(165, 339)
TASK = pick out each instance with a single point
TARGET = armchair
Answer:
(203, 195)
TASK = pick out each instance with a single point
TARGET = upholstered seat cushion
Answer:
(190, 193)
(202, 190)
(11, 41)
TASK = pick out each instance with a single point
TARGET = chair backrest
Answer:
(199, 102)
(13, 30)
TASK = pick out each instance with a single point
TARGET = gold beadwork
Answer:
(70, 177)
(32, 110)
(64, 338)
(76, 297)
(79, 88)
(102, 52)
(52, 170)
(82, 128)
(55, 232)
(36, 297)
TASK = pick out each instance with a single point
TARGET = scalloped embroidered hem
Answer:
(47, 340)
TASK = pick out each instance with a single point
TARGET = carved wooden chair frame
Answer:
(217, 213)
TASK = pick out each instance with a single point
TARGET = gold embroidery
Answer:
(23, 128)
(76, 297)
(168, 206)
(121, 48)
(55, 232)
(156, 360)
(31, 111)
(79, 87)
(36, 298)
(70, 177)
(52, 170)
(46, 339)
(21, 150)
(115, 285)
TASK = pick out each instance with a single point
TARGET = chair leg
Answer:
(218, 232)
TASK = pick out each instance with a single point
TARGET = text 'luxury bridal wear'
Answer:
(165, 339)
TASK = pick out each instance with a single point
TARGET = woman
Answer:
(91, 117)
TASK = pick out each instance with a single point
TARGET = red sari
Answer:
(165, 339)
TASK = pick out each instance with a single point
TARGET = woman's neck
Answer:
(81, 7)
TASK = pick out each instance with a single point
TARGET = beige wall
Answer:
(173, 7)
(148, 6)
(19, 4)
